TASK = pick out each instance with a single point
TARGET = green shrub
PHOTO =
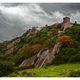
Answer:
(6, 67)
(73, 32)
(75, 58)
(74, 74)
(29, 51)
(67, 55)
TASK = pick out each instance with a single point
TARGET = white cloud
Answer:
(75, 16)
(31, 13)
(57, 15)
(18, 18)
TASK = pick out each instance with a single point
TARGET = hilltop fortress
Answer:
(66, 23)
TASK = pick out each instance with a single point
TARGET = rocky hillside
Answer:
(41, 46)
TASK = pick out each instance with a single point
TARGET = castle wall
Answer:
(66, 23)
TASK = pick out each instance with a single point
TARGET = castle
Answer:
(66, 23)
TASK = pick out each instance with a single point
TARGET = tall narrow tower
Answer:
(66, 22)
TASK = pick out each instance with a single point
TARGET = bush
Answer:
(16, 58)
(73, 32)
(6, 67)
(67, 55)
(28, 51)
(75, 58)
(74, 74)
(66, 40)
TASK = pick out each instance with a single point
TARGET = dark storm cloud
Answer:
(11, 4)
(65, 8)
(17, 17)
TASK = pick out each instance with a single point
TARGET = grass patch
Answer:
(62, 70)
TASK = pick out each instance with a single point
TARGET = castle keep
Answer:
(66, 23)
(66, 20)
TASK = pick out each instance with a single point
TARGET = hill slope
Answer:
(38, 44)
(48, 71)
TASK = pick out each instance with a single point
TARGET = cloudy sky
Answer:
(16, 18)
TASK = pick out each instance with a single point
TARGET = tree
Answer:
(75, 23)
(6, 67)
(74, 32)
(67, 55)
(65, 40)
(28, 51)
(25, 51)
(36, 48)
(75, 58)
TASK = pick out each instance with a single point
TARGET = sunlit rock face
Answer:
(47, 56)
(12, 46)
(43, 58)
(28, 62)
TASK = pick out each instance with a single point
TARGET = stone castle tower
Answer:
(66, 20)
(66, 23)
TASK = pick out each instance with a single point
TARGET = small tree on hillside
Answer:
(66, 40)
(36, 48)
(28, 51)
(75, 23)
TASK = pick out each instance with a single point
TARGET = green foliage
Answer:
(22, 42)
(8, 62)
(35, 41)
(31, 40)
(43, 37)
(6, 67)
(73, 32)
(75, 23)
(74, 74)
(75, 58)
(48, 71)
(29, 51)
(59, 26)
(2, 47)
(66, 55)
(17, 59)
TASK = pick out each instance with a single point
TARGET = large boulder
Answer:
(47, 56)
(12, 46)
(28, 62)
